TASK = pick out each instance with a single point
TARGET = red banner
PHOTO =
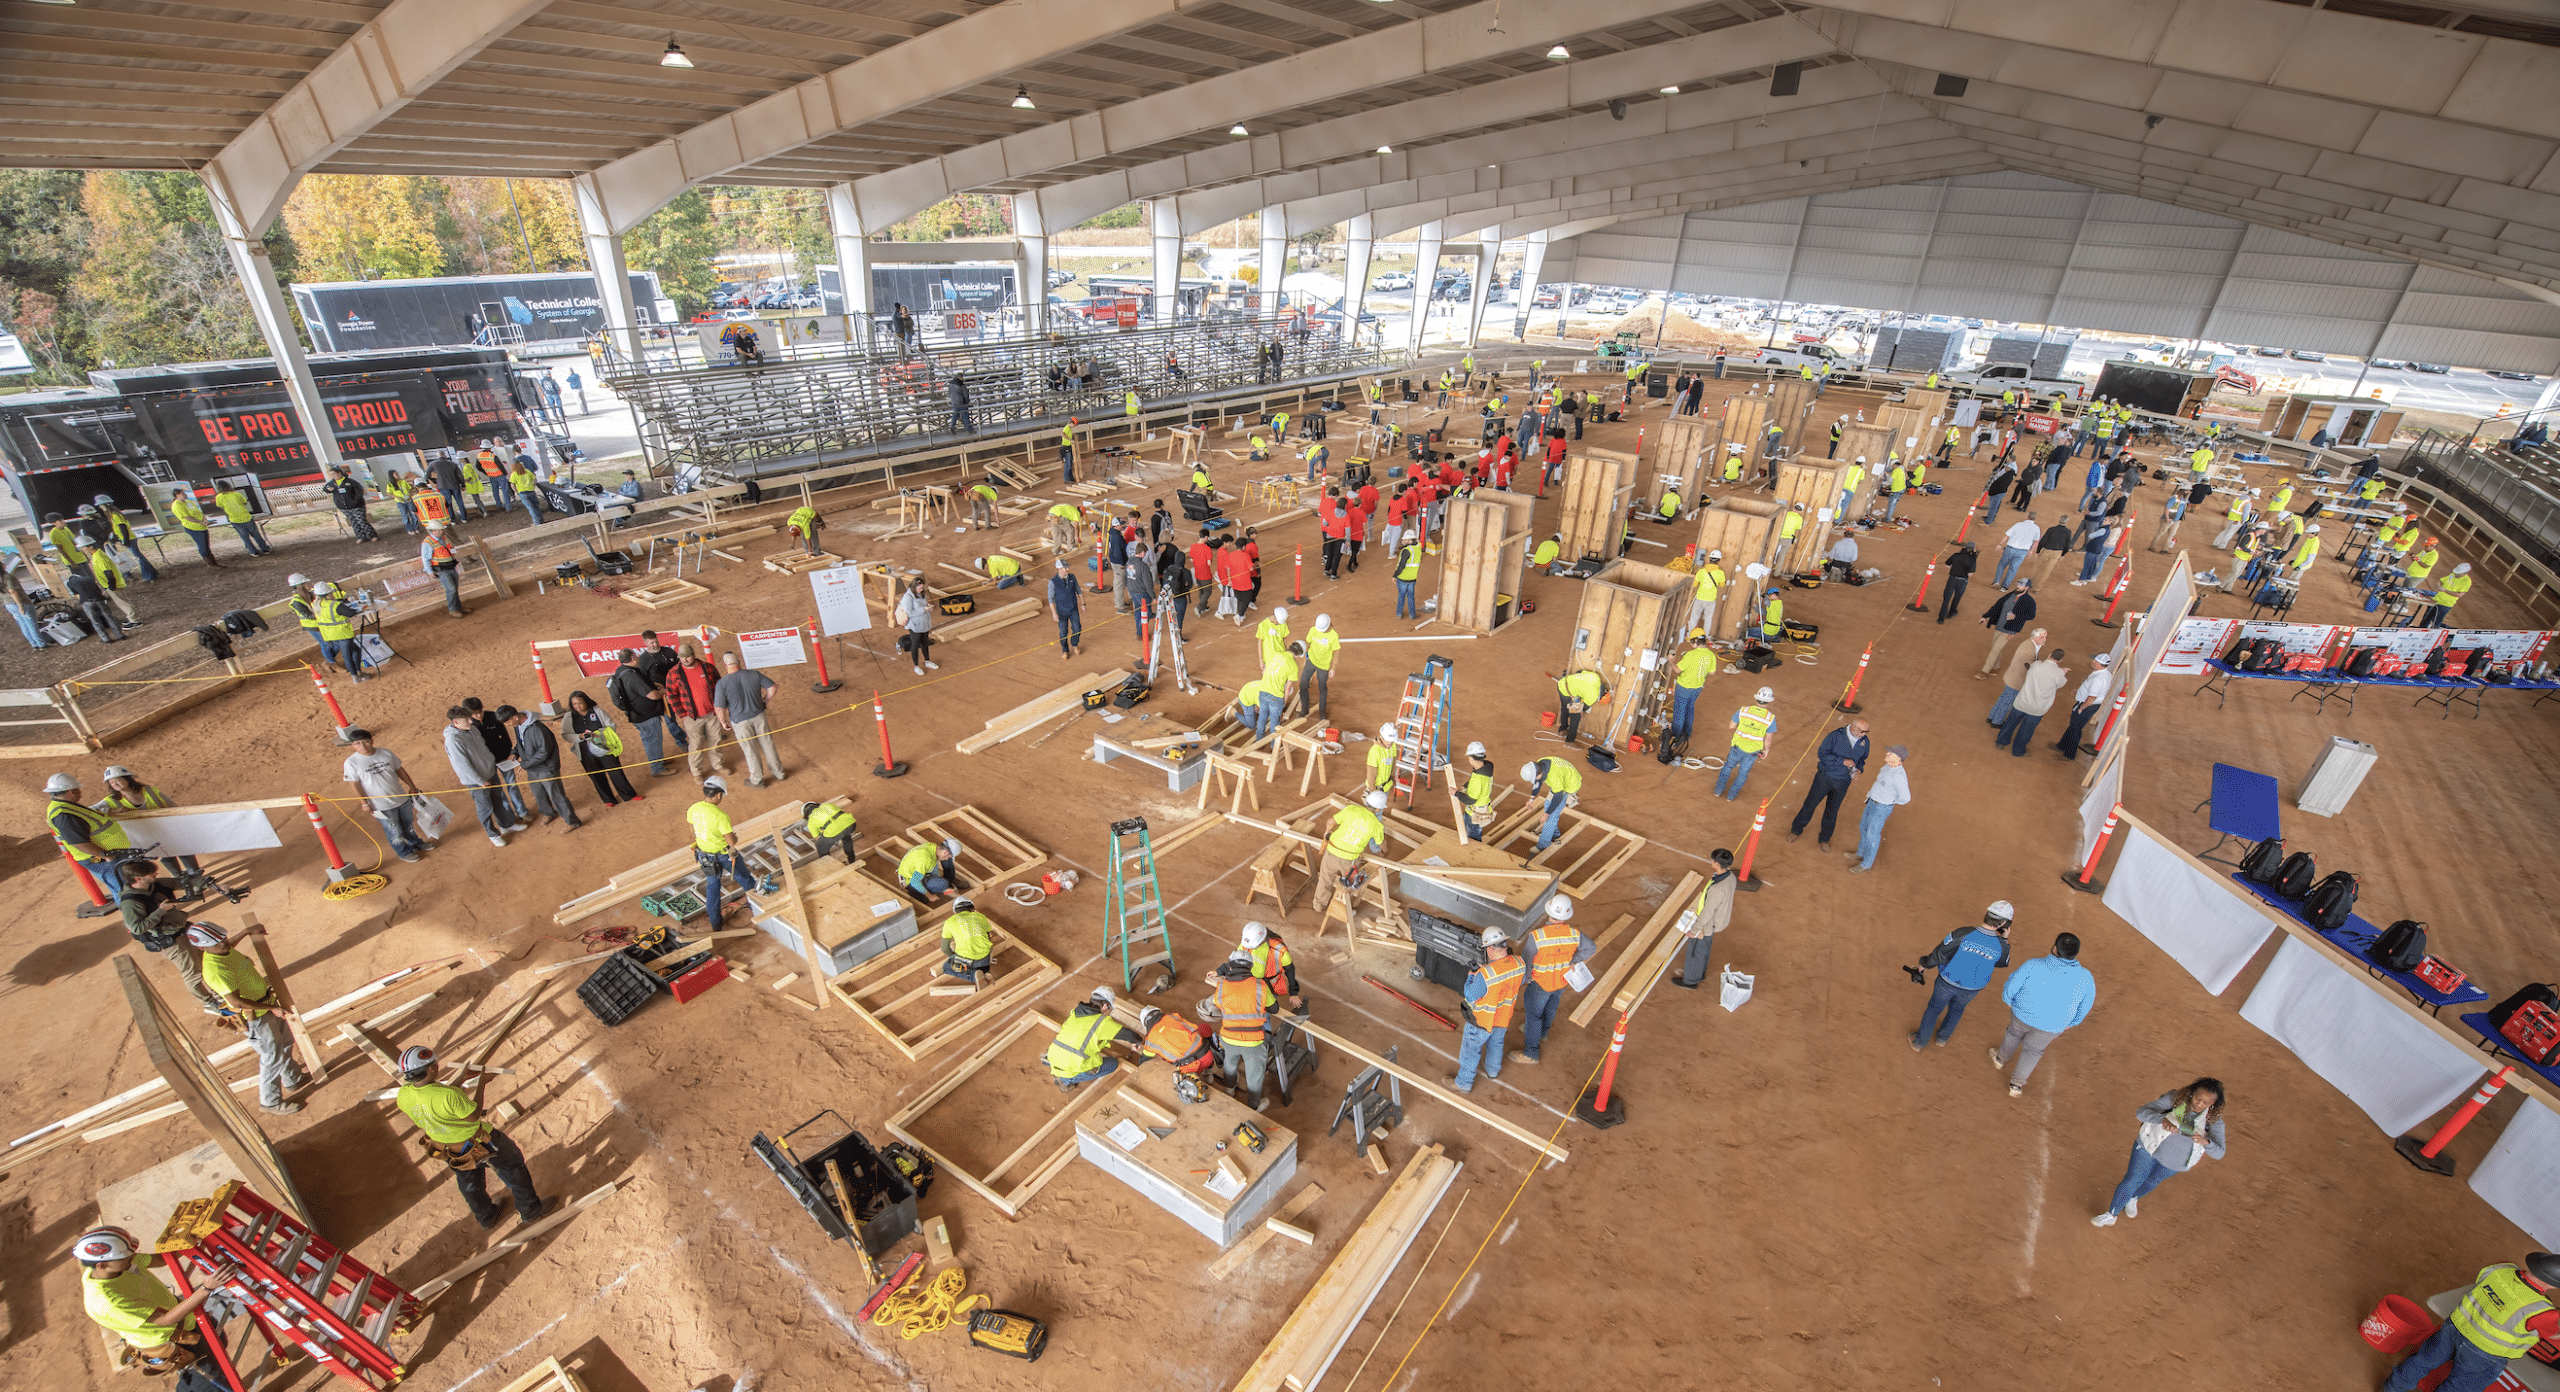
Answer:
(598, 657)
(2043, 425)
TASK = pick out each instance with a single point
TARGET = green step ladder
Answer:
(1133, 923)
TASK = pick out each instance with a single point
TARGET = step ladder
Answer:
(1161, 636)
(307, 1293)
(1422, 728)
(1133, 924)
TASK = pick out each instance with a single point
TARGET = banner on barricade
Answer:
(2296, 639)
(2410, 645)
(2504, 644)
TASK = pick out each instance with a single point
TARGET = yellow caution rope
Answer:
(936, 1306)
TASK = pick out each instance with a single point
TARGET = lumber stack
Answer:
(1653, 946)
(985, 621)
(1065, 700)
(1300, 1353)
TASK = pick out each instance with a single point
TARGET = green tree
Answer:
(354, 224)
(44, 235)
(678, 242)
(504, 226)
(958, 218)
(1126, 215)
(157, 285)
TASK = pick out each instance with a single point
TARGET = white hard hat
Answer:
(1862, 459)
(117, 771)
(1147, 1018)
(1323, 622)
(1529, 772)
(1475, 749)
(2463, 569)
(1255, 935)
(2000, 909)
(1377, 800)
(1765, 694)
(2315, 529)
(416, 1059)
(951, 844)
(1281, 614)
(1105, 995)
(297, 579)
(103, 1245)
(1715, 555)
(1493, 937)
(715, 784)
(62, 783)
(207, 937)
(1387, 732)
(1561, 906)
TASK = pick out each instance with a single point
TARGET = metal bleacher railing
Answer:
(812, 404)
(2515, 486)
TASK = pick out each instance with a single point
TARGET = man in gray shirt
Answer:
(477, 768)
(538, 750)
(387, 789)
(2044, 680)
(739, 699)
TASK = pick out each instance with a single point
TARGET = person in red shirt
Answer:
(1204, 562)
(1235, 574)
(1355, 529)
(1329, 510)
(1253, 557)
(1369, 499)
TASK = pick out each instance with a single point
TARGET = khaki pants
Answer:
(755, 741)
(1062, 533)
(702, 742)
(2167, 536)
(1999, 645)
(1329, 873)
(982, 512)
(123, 606)
(190, 965)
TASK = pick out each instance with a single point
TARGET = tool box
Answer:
(620, 985)
(699, 979)
(882, 1201)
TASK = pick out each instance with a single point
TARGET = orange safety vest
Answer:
(1551, 950)
(1271, 962)
(1176, 1042)
(441, 556)
(1240, 1012)
(1502, 980)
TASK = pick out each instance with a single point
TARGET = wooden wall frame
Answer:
(1484, 554)
(1598, 487)
(1791, 399)
(1628, 631)
(208, 1099)
(1745, 530)
(990, 853)
(887, 991)
(1009, 1199)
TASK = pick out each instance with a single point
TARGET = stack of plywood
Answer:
(1300, 1353)
(1056, 705)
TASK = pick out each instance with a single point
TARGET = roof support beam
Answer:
(951, 58)
(385, 65)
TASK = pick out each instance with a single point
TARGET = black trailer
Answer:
(2170, 391)
(518, 311)
(929, 289)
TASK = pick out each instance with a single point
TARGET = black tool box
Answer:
(883, 1202)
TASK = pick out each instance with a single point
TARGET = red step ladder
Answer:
(1422, 728)
(306, 1292)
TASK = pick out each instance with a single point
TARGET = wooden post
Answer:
(818, 971)
(281, 993)
(497, 577)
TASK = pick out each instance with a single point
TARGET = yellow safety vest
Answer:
(1078, 1047)
(1479, 790)
(1559, 776)
(802, 522)
(2493, 1315)
(1696, 665)
(829, 820)
(1751, 728)
(919, 860)
(2452, 590)
(337, 624)
(1773, 618)
(712, 828)
(1411, 566)
(104, 833)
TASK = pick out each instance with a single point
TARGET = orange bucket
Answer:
(1547, 719)
(2397, 1325)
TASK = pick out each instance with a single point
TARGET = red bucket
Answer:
(1547, 719)
(2397, 1325)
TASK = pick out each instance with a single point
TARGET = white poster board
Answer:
(2200, 920)
(841, 606)
(2521, 1177)
(2504, 644)
(2335, 1019)
(771, 647)
(2406, 644)
(203, 833)
(2196, 642)
(2296, 639)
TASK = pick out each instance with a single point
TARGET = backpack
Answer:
(1671, 749)
(2240, 653)
(2295, 878)
(2400, 947)
(2435, 663)
(2270, 658)
(2331, 901)
(1601, 759)
(2263, 861)
(2360, 662)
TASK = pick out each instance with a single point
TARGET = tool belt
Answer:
(472, 1154)
(1573, 707)
(184, 1350)
(1480, 814)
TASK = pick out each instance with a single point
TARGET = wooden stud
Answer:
(937, 1243)
(428, 1293)
(1640, 947)
(195, 1084)
(1431, 1087)
(1290, 1231)
(1377, 1158)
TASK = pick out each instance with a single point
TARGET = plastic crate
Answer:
(619, 986)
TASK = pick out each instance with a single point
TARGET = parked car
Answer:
(2306, 355)
(1393, 280)
(2511, 376)
(2268, 352)
(2438, 369)
(2392, 363)
(1550, 297)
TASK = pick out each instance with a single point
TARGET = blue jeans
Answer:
(1871, 831)
(2473, 1367)
(716, 868)
(1684, 707)
(1404, 601)
(2000, 709)
(1474, 1043)
(1996, 500)
(451, 578)
(2141, 1175)
(1070, 629)
(2011, 557)
(203, 541)
(2020, 729)
(2089, 562)
(1103, 1069)
(1892, 505)
(2052, 474)
(532, 507)
(1538, 1016)
(653, 736)
(250, 538)
(1555, 818)
(1008, 582)
(1267, 715)
(503, 492)
(345, 653)
(408, 516)
(1952, 1000)
(401, 824)
(1737, 767)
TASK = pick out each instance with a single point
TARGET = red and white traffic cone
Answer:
(1848, 702)
(329, 698)
(338, 867)
(888, 767)
(1920, 602)
(1599, 1106)
(2429, 1154)
(1751, 848)
(2084, 881)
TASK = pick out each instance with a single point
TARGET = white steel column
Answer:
(1034, 262)
(1488, 252)
(1537, 262)
(1275, 256)
(275, 318)
(1164, 224)
(1426, 267)
(853, 258)
(1363, 233)
(604, 257)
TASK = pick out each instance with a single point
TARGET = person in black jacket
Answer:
(539, 751)
(349, 496)
(643, 703)
(2055, 544)
(959, 393)
(1959, 566)
(2006, 618)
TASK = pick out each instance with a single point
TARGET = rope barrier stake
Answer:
(1848, 702)
(817, 645)
(550, 708)
(2429, 1155)
(888, 767)
(1750, 849)
(337, 717)
(2084, 881)
(337, 863)
(1595, 1105)
(1920, 602)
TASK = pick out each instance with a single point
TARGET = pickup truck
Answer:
(1993, 378)
(1796, 355)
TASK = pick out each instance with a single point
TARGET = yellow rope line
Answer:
(931, 1309)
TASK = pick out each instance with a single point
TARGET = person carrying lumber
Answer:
(1383, 756)
(1243, 1002)
(715, 841)
(121, 1296)
(1082, 1051)
(454, 1130)
(1578, 691)
(1491, 992)
(1323, 649)
(1272, 965)
(968, 943)
(982, 504)
(930, 873)
(1358, 831)
(1179, 1042)
(1705, 589)
(804, 523)
(1066, 522)
(1560, 783)
(248, 1007)
(831, 827)
(1554, 949)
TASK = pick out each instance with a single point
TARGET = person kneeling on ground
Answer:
(969, 940)
(1080, 1053)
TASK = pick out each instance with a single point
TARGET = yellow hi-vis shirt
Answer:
(1322, 647)
(124, 1306)
(445, 1112)
(1355, 831)
(1710, 582)
(1696, 665)
(712, 829)
(2451, 589)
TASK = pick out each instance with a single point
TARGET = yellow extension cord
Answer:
(934, 1308)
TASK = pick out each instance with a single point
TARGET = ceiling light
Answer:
(1558, 54)
(1238, 129)
(674, 56)
(1022, 98)
(1385, 151)
(1670, 91)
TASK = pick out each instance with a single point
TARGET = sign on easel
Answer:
(772, 647)
(841, 607)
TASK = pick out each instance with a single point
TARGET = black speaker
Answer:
(1786, 80)
(1617, 108)
(1949, 85)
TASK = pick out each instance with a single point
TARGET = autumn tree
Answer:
(156, 285)
(350, 225)
(506, 226)
(678, 242)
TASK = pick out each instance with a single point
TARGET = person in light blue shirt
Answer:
(2051, 994)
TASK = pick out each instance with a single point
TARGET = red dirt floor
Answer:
(1797, 1199)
